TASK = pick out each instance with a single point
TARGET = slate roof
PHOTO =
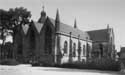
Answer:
(99, 35)
(122, 49)
(66, 29)
(122, 53)
(38, 26)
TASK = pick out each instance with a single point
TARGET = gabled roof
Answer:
(66, 29)
(122, 52)
(122, 49)
(52, 21)
(75, 32)
(38, 26)
(99, 35)
(25, 28)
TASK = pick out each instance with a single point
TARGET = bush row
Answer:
(9, 62)
(98, 64)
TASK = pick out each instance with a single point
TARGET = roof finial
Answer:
(43, 7)
(107, 26)
(43, 15)
(75, 25)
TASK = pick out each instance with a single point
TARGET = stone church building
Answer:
(50, 41)
(103, 43)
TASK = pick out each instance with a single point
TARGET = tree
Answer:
(4, 19)
(11, 19)
(17, 16)
(14, 17)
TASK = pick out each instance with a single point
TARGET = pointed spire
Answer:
(43, 5)
(107, 26)
(108, 29)
(75, 25)
(57, 21)
(57, 16)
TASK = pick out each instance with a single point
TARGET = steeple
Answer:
(57, 16)
(43, 13)
(108, 28)
(57, 21)
(43, 16)
(75, 25)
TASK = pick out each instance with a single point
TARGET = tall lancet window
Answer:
(48, 40)
(101, 49)
(84, 50)
(74, 49)
(65, 47)
(79, 48)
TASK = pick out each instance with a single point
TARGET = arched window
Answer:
(65, 47)
(70, 47)
(79, 48)
(84, 51)
(74, 49)
(87, 48)
(101, 49)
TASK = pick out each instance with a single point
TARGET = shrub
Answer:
(9, 62)
(106, 64)
(99, 64)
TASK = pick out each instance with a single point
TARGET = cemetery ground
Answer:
(29, 70)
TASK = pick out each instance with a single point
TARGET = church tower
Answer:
(43, 16)
(57, 41)
(57, 21)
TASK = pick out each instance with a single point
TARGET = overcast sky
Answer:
(90, 14)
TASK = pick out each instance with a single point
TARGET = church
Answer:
(103, 43)
(52, 42)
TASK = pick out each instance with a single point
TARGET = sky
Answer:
(90, 14)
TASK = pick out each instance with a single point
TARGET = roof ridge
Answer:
(97, 30)
(65, 28)
(69, 26)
